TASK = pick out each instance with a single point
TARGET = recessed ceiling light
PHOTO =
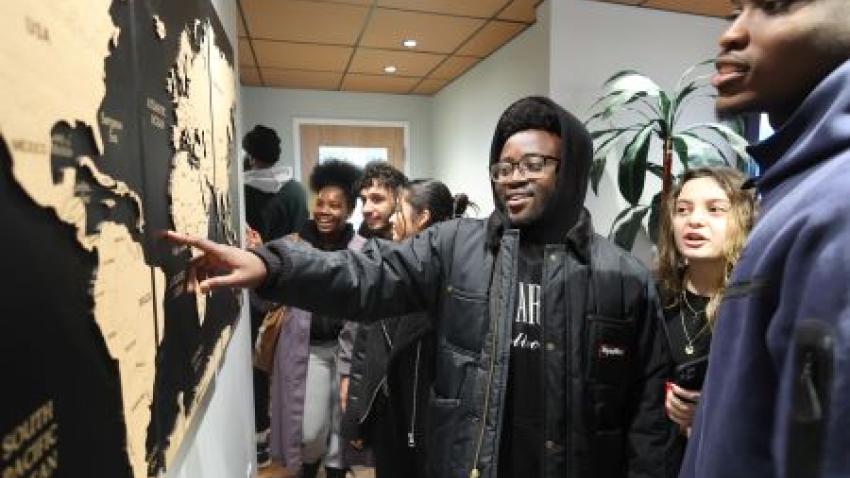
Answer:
(409, 43)
(390, 69)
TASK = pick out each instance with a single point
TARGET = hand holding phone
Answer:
(681, 405)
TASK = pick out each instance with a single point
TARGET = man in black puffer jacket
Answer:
(550, 358)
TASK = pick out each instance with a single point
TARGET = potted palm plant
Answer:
(632, 113)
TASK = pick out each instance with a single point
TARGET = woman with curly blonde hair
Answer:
(704, 225)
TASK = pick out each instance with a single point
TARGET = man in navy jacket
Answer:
(776, 402)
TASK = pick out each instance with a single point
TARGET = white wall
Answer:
(222, 444)
(465, 113)
(590, 41)
(277, 108)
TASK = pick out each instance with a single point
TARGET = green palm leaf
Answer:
(630, 80)
(626, 231)
(656, 210)
(737, 142)
(622, 89)
(632, 172)
(597, 168)
(700, 152)
(631, 98)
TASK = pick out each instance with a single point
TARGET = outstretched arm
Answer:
(382, 280)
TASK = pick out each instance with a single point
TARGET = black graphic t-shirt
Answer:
(521, 449)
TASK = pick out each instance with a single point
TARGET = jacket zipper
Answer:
(386, 335)
(475, 472)
(382, 383)
(810, 389)
(411, 440)
(544, 276)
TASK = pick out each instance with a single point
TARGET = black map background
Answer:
(50, 345)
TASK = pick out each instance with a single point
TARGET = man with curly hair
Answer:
(377, 189)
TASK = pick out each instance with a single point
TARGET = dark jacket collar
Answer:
(816, 131)
(368, 233)
(577, 239)
(310, 233)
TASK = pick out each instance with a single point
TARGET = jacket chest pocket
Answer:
(464, 319)
(610, 346)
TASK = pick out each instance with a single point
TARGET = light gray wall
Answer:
(590, 41)
(277, 108)
(465, 112)
(221, 444)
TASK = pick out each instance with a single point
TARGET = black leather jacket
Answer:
(605, 355)
(391, 373)
(393, 360)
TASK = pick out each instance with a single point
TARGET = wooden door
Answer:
(315, 136)
(355, 144)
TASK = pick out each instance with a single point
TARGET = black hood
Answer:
(565, 206)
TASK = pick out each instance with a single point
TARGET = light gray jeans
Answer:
(322, 412)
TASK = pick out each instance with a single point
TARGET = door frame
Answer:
(296, 137)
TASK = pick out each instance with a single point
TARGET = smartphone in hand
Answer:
(691, 374)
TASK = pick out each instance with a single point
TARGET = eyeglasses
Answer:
(530, 166)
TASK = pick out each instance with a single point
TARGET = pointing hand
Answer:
(219, 265)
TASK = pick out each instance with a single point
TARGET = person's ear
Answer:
(422, 219)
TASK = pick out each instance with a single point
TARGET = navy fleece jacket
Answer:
(795, 266)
